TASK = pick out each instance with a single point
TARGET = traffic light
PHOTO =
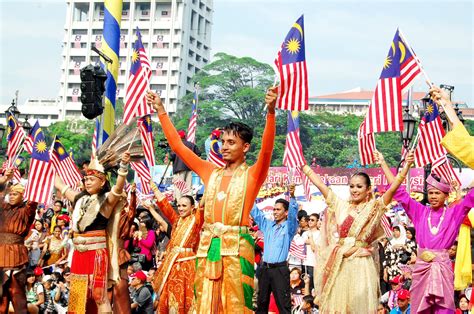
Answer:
(92, 88)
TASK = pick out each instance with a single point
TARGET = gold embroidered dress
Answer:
(346, 276)
(174, 279)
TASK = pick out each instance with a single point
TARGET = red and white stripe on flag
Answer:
(216, 160)
(135, 101)
(306, 184)
(181, 186)
(293, 154)
(297, 250)
(67, 170)
(385, 109)
(387, 228)
(147, 141)
(409, 70)
(16, 171)
(366, 145)
(28, 144)
(443, 168)
(429, 148)
(293, 91)
(144, 175)
(15, 142)
(40, 181)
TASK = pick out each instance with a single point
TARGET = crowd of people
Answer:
(104, 249)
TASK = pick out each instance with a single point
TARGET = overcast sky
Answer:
(346, 41)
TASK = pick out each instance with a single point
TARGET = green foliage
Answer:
(75, 134)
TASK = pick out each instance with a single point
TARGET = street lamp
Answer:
(409, 124)
(26, 125)
(459, 113)
(13, 109)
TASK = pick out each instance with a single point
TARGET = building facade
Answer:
(176, 35)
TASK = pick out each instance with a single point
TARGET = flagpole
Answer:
(12, 164)
(133, 139)
(427, 79)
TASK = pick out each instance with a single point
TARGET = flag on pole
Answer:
(146, 133)
(143, 172)
(387, 228)
(297, 250)
(41, 174)
(181, 185)
(430, 134)
(366, 145)
(111, 47)
(399, 70)
(191, 137)
(138, 83)
(443, 168)
(64, 164)
(293, 154)
(15, 136)
(28, 143)
(291, 65)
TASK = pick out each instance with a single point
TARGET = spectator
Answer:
(297, 287)
(144, 238)
(142, 300)
(48, 306)
(53, 250)
(308, 306)
(275, 275)
(61, 293)
(463, 307)
(34, 292)
(57, 208)
(390, 297)
(403, 303)
(394, 252)
(34, 242)
(311, 238)
(411, 246)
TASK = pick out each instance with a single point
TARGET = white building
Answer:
(47, 111)
(176, 35)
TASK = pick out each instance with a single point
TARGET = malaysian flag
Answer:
(28, 143)
(215, 155)
(159, 69)
(143, 172)
(15, 136)
(139, 80)
(366, 145)
(41, 174)
(399, 70)
(146, 133)
(159, 41)
(77, 68)
(443, 168)
(94, 138)
(297, 250)
(16, 171)
(181, 185)
(430, 133)
(293, 154)
(64, 164)
(387, 228)
(191, 137)
(291, 65)
(77, 41)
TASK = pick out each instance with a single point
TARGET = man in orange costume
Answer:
(225, 256)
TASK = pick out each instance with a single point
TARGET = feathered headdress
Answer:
(124, 138)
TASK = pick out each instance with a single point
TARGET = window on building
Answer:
(78, 59)
(142, 11)
(191, 53)
(81, 12)
(159, 59)
(190, 67)
(161, 31)
(157, 87)
(198, 57)
(78, 44)
(199, 45)
(126, 11)
(54, 116)
(160, 45)
(99, 12)
(79, 31)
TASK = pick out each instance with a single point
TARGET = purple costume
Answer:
(433, 278)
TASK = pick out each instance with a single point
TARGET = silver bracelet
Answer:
(123, 166)
(122, 173)
(115, 193)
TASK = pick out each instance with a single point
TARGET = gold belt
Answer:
(90, 247)
(178, 249)
(356, 243)
(83, 244)
(218, 228)
(427, 256)
(88, 240)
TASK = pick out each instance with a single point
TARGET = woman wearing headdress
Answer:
(346, 278)
(437, 227)
(95, 222)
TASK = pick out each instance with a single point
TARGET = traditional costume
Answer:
(121, 297)
(460, 144)
(15, 222)
(225, 267)
(432, 288)
(174, 280)
(95, 257)
(346, 276)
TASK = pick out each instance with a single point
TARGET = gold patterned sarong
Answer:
(224, 272)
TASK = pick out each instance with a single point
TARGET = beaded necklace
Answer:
(435, 230)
